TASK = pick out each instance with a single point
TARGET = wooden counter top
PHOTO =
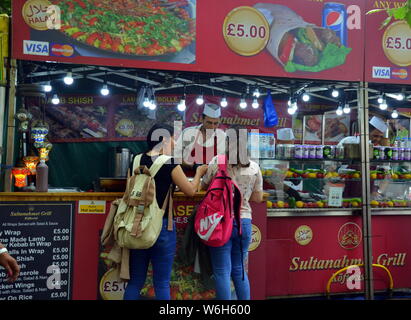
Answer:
(59, 196)
(73, 196)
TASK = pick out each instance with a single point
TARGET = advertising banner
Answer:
(309, 250)
(388, 49)
(298, 39)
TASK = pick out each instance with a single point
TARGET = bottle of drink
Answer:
(42, 180)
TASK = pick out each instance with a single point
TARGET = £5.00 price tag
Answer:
(396, 43)
(335, 196)
(246, 31)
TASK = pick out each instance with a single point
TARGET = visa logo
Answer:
(38, 48)
(381, 72)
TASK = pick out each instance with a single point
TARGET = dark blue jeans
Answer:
(227, 264)
(161, 256)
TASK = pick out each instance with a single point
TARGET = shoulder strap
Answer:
(222, 162)
(169, 200)
(136, 162)
(158, 163)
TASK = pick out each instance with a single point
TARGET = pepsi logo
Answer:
(334, 18)
(62, 50)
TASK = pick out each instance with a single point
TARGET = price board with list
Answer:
(40, 237)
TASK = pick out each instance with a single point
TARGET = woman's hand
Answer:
(201, 170)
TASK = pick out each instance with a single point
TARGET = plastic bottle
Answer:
(42, 180)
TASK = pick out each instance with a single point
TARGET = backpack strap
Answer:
(136, 162)
(169, 199)
(222, 162)
(157, 164)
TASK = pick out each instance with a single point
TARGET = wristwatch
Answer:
(3, 250)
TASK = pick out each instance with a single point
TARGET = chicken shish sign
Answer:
(293, 42)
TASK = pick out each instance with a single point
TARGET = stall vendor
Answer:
(378, 129)
(199, 144)
(377, 132)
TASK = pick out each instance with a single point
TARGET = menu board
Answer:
(39, 236)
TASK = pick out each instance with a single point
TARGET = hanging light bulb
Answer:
(47, 87)
(339, 110)
(256, 93)
(55, 99)
(182, 105)
(292, 106)
(243, 103)
(394, 114)
(68, 79)
(255, 103)
(224, 102)
(291, 110)
(346, 108)
(200, 100)
(335, 93)
(306, 97)
(104, 90)
(383, 105)
(380, 98)
(153, 104)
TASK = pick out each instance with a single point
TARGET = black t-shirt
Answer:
(163, 177)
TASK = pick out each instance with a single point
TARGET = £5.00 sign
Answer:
(246, 31)
(396, 43)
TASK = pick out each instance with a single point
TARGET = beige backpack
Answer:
(138, 219)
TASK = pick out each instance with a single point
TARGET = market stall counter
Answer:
(55, 237)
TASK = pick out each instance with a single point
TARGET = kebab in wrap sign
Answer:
(294, 43)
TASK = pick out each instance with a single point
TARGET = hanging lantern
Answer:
(44, 151)
(38, 134)
(20, 176)
(23, 116)
(31, 163)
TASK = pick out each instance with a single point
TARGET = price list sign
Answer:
(39, 236)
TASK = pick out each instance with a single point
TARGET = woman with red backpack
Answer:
(228, 260)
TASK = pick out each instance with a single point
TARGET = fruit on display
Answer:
(346, 203)
(299, 204)
(391, 175)
(292, 173)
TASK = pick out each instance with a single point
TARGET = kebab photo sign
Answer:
(295, 43)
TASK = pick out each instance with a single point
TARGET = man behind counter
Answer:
(199, 144)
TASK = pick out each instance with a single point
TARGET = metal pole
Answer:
(366, 192)
(10, 123)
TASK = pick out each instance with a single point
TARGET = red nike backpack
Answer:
(221, 205)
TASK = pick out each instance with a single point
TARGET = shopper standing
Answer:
(160, 141)
(228, 260)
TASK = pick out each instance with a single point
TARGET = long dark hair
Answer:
(156, 135)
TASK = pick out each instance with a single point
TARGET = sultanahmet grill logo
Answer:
(349, 235)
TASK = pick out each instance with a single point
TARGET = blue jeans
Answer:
(161, 255)
(227, 263)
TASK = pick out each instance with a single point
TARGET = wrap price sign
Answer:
(246, 31)
(396, 43)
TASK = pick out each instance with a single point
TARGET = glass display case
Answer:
(312, 185)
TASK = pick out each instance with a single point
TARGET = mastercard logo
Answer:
(399, 73)
(62, 50)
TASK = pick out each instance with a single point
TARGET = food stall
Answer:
(303, 234)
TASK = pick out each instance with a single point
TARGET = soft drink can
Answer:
(335, 18)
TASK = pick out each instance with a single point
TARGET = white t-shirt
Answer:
(248, 179)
